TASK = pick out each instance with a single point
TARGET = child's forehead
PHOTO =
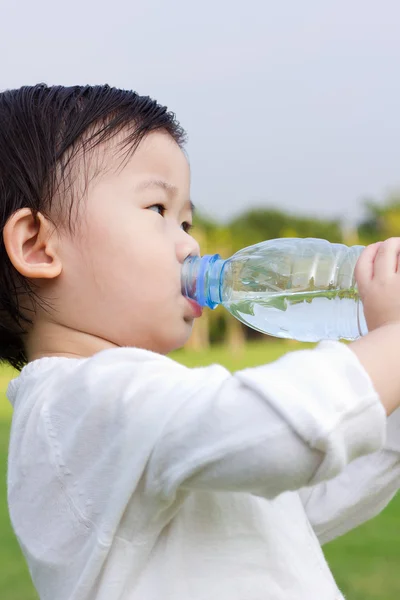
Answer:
(156, 152)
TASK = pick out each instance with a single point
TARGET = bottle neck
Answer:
(201, 279)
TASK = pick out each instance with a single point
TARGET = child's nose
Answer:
(188, 248)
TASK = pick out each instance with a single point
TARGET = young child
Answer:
(131, 477)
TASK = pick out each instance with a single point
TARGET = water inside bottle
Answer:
(304, 316)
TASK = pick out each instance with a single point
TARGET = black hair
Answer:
(42, 129)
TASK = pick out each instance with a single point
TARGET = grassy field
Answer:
(364, 562)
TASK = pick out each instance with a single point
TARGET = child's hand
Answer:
(378, 278)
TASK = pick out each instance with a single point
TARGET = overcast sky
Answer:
(293, 104)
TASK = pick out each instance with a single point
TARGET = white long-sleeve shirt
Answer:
(132, 477)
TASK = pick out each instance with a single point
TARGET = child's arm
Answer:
(273, 428)
(267, 430)
(378, 279)
(379, 353)
(357, 494)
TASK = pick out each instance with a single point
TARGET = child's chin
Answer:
(179, 342)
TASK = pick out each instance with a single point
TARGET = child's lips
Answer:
(196, 309)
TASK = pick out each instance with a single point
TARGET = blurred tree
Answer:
(257, 225)
(381, 219)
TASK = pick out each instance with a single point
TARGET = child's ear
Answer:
(32, 245)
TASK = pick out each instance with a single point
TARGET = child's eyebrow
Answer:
(164, 185)
(160, 183)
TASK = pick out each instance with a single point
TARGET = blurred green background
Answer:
(364, 562)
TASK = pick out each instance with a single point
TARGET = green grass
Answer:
(15, 582)
(364, 561)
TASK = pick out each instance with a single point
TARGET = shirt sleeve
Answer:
(128, 419)
(359, 493)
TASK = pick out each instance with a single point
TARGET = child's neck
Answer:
(53, 339)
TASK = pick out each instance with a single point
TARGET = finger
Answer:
(364, 271)
(386, 259)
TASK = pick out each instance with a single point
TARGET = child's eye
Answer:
(187, 227)
(160, 208)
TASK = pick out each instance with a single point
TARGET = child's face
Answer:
(120, 279)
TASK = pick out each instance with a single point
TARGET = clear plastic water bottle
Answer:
(302, 289)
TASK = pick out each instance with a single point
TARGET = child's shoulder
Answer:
(114, 370)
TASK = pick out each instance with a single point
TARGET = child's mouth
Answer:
(196, 309)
